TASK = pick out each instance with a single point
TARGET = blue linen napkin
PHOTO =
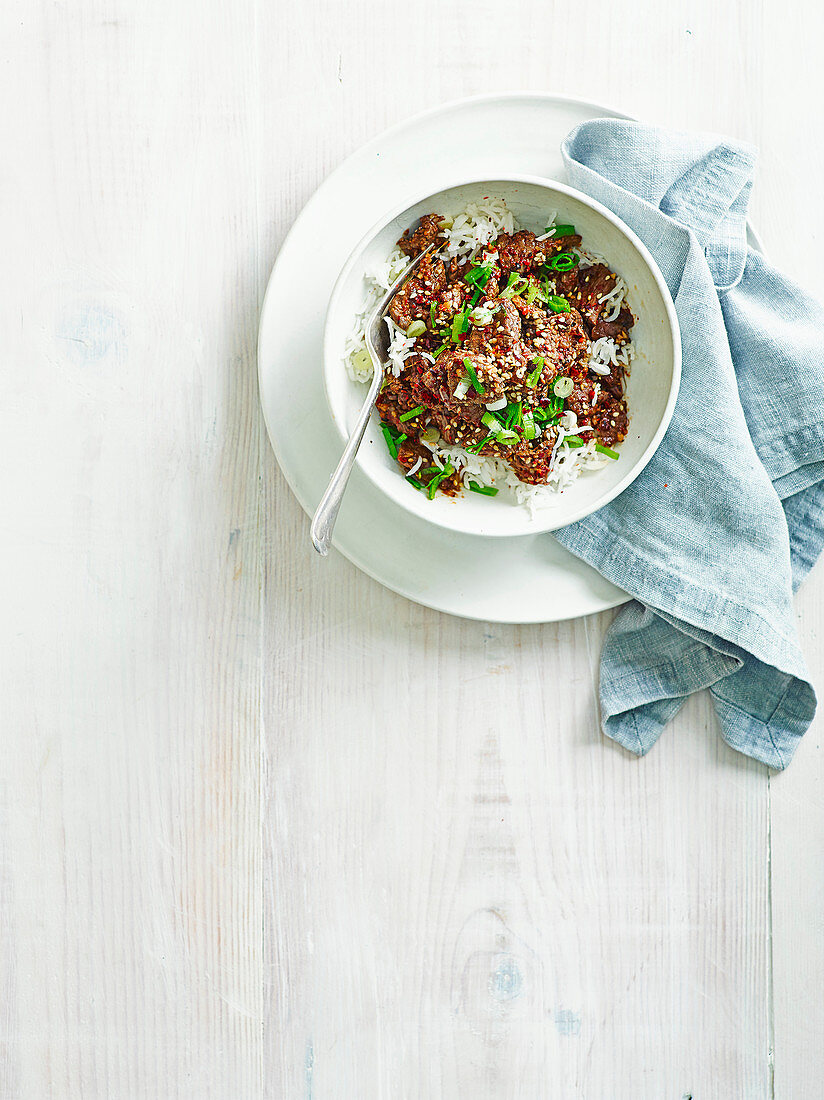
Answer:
(713, 558)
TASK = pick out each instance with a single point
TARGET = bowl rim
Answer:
(548, 523)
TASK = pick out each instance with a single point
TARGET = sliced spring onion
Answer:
(533, 376)
(563, 386)
(513, 414)
(608, 451)
(492, 422)
(481, 315)
(516, 284)
(564, 230)
(462, 389)
(437, 478)
(431, 435)
(531, 294)
(564, 261)
(361, 360)
(390, 441)
(499, 403)
(438, 351)
(473, 377)
(484, 490)
(557, 305)
(480, 446)
(574, 440)
(478, 276)
(432, 312)
(457, 322)
(530, 430)
(507, 437)
(417, 328)
(476, 295)
(411, 414)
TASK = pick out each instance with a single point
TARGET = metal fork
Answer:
(377, 344)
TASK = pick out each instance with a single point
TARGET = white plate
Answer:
(523, 580)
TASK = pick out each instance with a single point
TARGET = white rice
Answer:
(465, 234)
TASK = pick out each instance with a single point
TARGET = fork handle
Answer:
(323, 521)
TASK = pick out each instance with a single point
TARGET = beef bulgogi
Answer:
(503, 342)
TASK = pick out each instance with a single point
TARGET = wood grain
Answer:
(267, 829)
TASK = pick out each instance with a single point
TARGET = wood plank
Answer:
(794, 230)
(131, 447)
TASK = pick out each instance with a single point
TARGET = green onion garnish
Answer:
(475, 296)
(432, 310)
(491, 422)
(564, 231)
(533, 376)
(513, 414)
(484, 490)
(390, 442)
(574, 440)
(608, 451)
(473, 377)
(437, 478)
(530, 431)
(507, 437)
(417, 328)
(563, 386)
(478, 276)
(564, 261)
(457, 326)
(412, 413)
(435, 354)
(516, 284)
(531, 294)
(480, 446)
(557, 305)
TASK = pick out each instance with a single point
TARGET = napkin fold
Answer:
(728, 517)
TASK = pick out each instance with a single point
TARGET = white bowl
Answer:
(652, 386)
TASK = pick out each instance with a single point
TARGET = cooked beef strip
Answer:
(591, 283)
(621, 325)
(426, 234)
(412, 300)
(561, 339)
(516, 252)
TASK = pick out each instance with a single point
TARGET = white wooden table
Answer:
(267, 829)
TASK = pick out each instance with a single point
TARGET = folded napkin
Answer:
(728, 517)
